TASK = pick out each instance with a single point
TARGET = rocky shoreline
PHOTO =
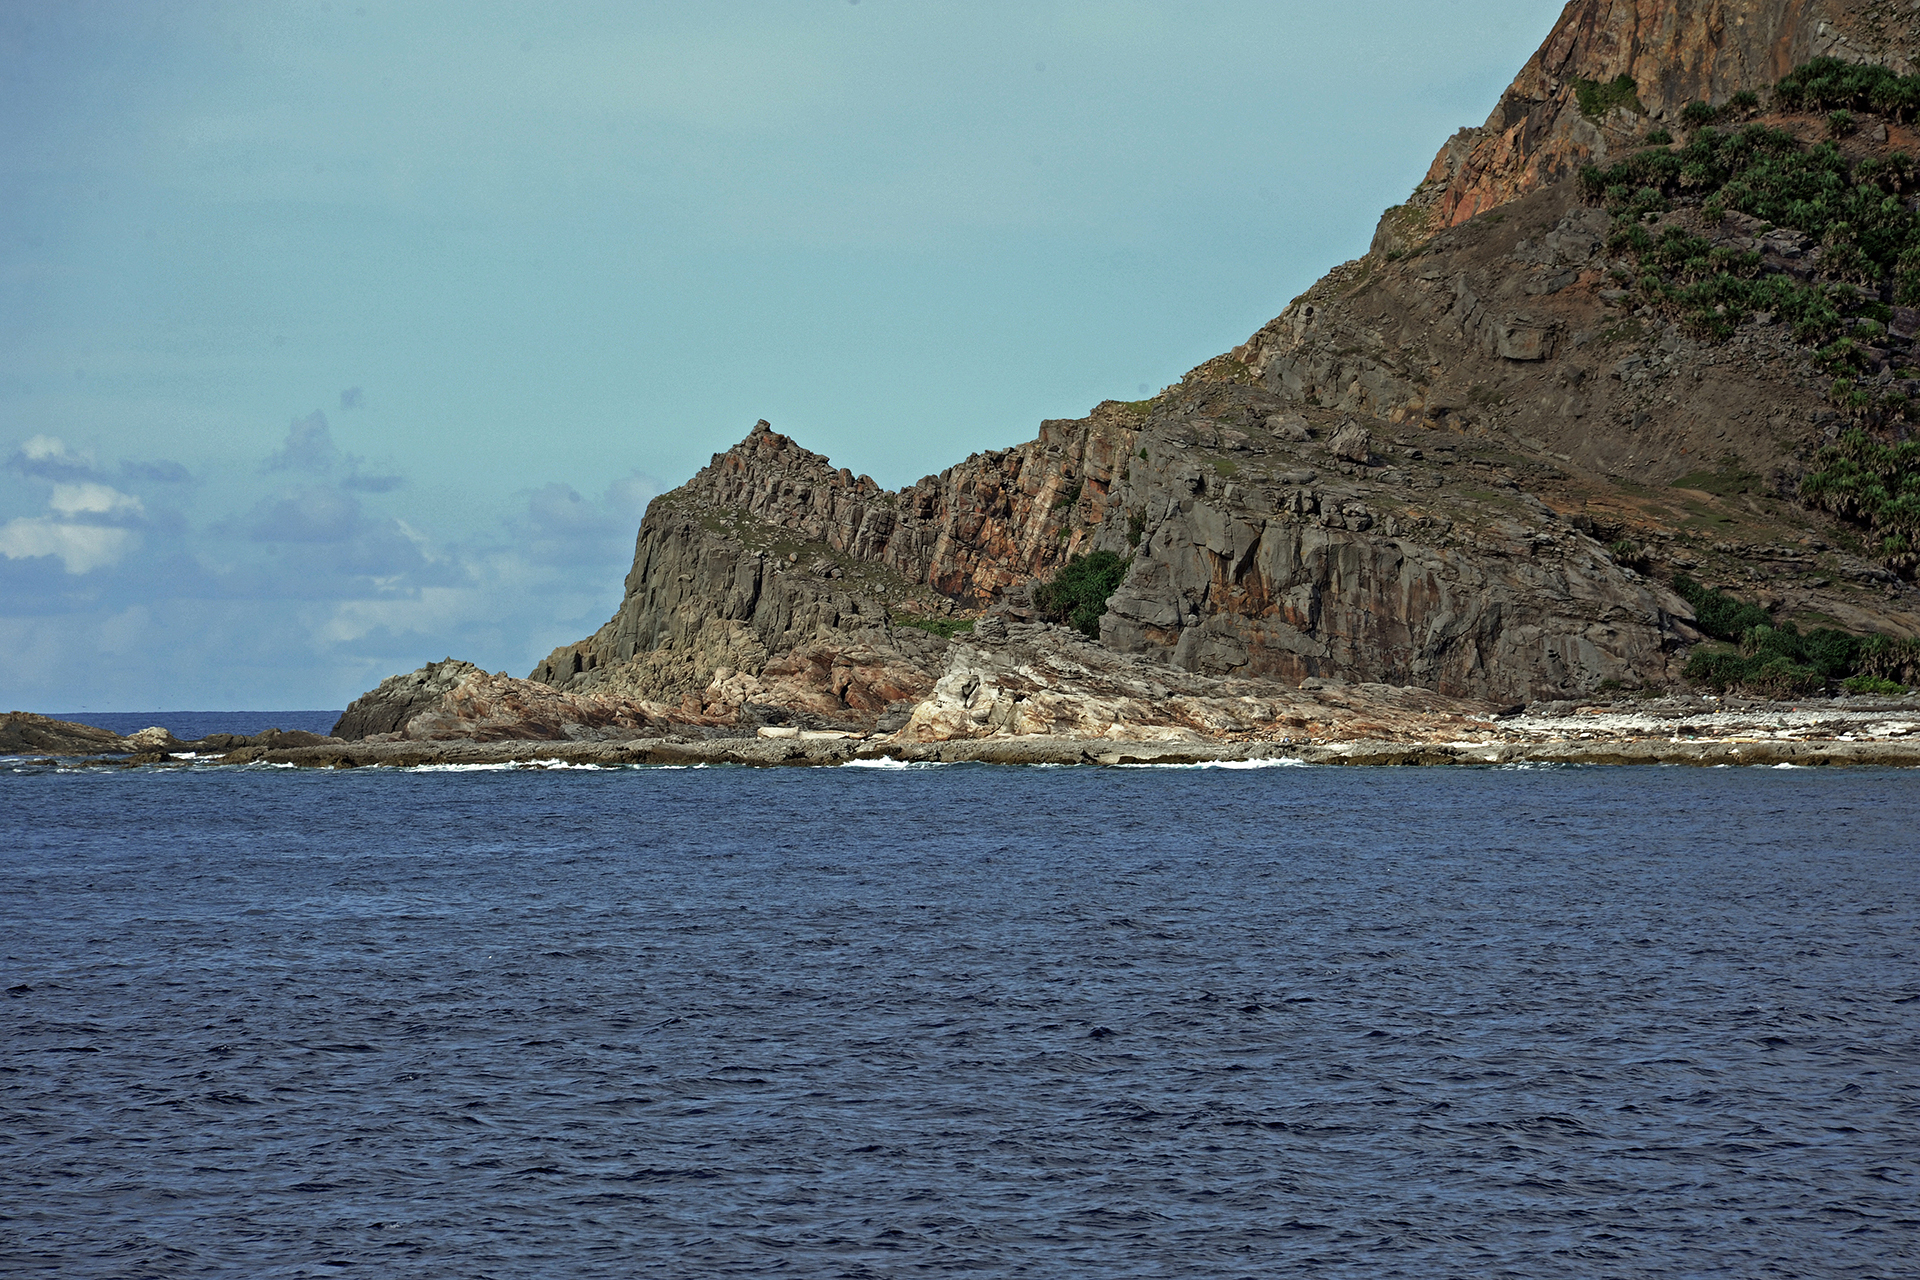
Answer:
(1840, 732)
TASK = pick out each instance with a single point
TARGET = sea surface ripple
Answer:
(960, 1021)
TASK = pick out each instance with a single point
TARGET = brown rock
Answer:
(23, 731)
(1674, 51)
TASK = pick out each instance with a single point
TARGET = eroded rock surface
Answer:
(456, 700)
(1049, 681)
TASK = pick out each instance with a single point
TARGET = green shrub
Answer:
(1659, 138)
(1745, 100)
(1874, 484)
(1889, 659)
(1776, 661)
(1718, 614)
(1697, 115)
(1841, 123)
(1596, 98)
(1628, 555)
(1716, 669)
(1825, 84)
(1136, 526)
(1831, 653)
(1763, 675)
(1779, 677)
(1858, 213)
(1078, 593)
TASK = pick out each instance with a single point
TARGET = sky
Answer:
(341, 336)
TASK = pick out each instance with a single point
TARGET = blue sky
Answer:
(344, 335)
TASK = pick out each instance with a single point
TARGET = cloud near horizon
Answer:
(313, 574)
(89, 525)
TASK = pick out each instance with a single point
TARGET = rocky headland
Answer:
(1605, 439)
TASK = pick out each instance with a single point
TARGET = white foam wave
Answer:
(1276, 763)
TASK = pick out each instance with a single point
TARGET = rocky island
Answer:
(1602, 452)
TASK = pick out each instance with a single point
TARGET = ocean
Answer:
(959, 1020)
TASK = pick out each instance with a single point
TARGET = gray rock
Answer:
(398, 699)
(1353, 442)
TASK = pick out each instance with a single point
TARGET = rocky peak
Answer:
(1612, 71)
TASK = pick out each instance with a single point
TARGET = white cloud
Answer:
(48, 458)
(94, 500)
(81, 547)
(434, 609)
(41, 448)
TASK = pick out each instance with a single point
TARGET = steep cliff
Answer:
(1473, 463)
(1613, 71)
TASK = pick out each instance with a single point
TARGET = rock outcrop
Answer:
(22, 732)
(450, 700)
(1042, 680)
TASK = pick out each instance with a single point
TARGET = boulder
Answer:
(1353, 443)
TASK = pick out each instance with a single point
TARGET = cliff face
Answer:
(810, 591)
(1673, 51)
(1465, 464)
(1256, 550)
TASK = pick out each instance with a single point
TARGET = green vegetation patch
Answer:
(1867, 224)
(945, 628)
(1720, 615)
(1771, 659)
(1777, 662)
(1079, 592)
(1731, 480)
(1858, 213)
(1828, 84)
(1878, 485)
(1597, 98)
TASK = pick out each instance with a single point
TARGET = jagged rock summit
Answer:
(1586, 369)
(1613, 71)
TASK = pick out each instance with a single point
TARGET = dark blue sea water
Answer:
(960, 1021)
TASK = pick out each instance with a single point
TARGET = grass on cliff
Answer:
(945, 628)
(1597, 97)
(1079, 592)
